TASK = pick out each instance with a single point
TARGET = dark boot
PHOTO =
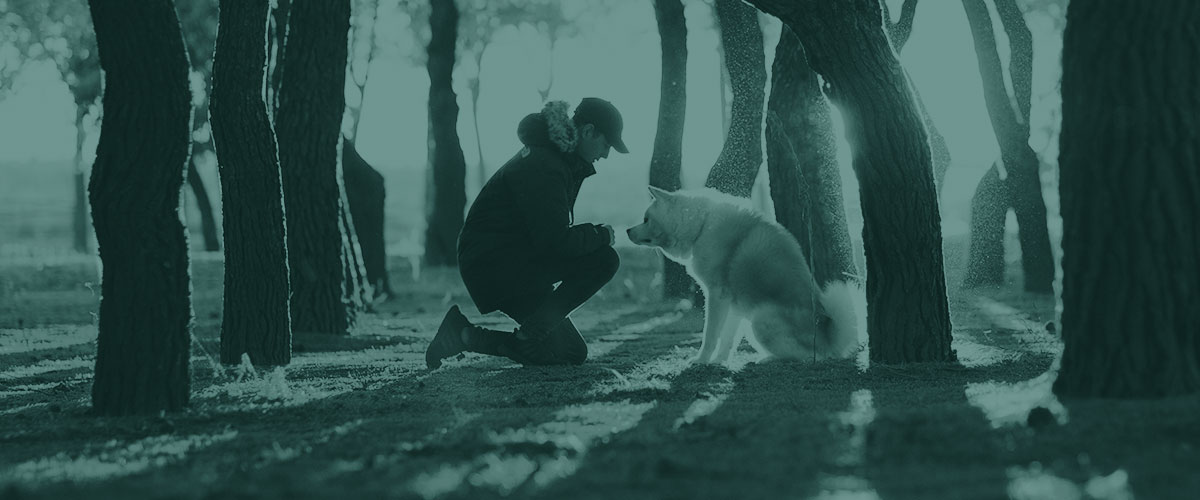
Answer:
(448, 341)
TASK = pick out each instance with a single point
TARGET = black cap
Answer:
(605, 117)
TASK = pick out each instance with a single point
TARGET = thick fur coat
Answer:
(749, 268)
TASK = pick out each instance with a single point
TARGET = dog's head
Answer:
(660, 224)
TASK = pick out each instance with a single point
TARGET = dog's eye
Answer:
(645, 220)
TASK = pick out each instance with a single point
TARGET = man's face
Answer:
(592, 144)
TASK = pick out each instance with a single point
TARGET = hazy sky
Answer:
(615, 56)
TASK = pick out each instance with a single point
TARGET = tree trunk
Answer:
(145, 310)
(1130, 181)
(989, 209)
(208, 223)
(1023, 187)
(365, 190)
(474, 85)
(256, 320)
(449, 169)
(900, 30)
(667, 159)
(741, 156)
(80, 214)
(806, 184)
(311, 102)
(899, 33)
(907, 312)
(275, 44)
(357, 292)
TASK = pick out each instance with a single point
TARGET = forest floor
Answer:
(360, 417)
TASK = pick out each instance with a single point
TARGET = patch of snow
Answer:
(716, 395)
(972, 354)
(48, 366)
(1006, 403)
(113, 460)
(572, 432)
(18, 340)
(21, 390)
(654, 374)
(439, 482)
(1114, 486)
(851, 452)
(19, 409)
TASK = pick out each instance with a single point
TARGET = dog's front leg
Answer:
(716, 313)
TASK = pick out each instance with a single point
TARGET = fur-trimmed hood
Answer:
(551, 127)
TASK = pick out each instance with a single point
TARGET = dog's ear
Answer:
(659, 194)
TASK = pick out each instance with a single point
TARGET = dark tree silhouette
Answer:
(741, 156)
(447, 199)
(1129, 184)
(667, 159)
(900, 30)
(311, 101)
(198, 19)
(898, 34)
(145, 311)
(907, 313)
(256, 317)
(366, 194)
(1022, 189)
(806, 184)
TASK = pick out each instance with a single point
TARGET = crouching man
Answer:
(520, 239)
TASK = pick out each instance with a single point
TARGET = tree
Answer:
(907, 311)
(1129, 185)
(448, 197)
(666, 161)
(256, 317)
(898, 33)
(366, 194)
(308, 121)
(145, 313)
(198, 19)
(737, 164)
(806, 183)
(1022, 188)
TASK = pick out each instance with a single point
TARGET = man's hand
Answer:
(612, 235)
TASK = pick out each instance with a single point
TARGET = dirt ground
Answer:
(360, 417)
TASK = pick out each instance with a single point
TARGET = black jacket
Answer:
(522, 220)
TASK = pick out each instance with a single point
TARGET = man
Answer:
(520, 238)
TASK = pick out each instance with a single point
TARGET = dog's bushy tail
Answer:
(846, 305)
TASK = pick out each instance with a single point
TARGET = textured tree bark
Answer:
(1129, 185)
(899, 33)
(308, 127)
(667, 159)
(737, 165)
(357, 291)
(907, 312)
(448, 196)
(135, 188)
(208, 222)
(366, 193)
(989, 209)
(1023, 188)
(275, 45)
(806, 185)
(256, 318)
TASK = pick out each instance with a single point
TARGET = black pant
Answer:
(544, 315)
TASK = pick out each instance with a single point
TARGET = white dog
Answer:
(749, 268)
